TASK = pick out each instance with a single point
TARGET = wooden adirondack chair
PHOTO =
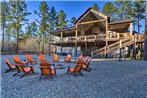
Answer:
(30, 59)
(25, 70)
(55, 58)
(76, 69)
(45, 68)
(11, 67)
(18, 61)
(68, 58)
(42, 58)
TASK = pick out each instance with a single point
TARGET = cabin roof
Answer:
(90, 15)
(121, 21)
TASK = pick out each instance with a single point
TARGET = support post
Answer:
(94, 46)
(85, 48)
(49, 51)
(61, 42)
(131, 29)
(135, 48)
(106, 36)
(76, 33)
(120, 47)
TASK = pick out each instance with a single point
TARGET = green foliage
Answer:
(138, 12)
(124, 8)
(3, 19)
(95, 7)
(61, 21)
(44, 22)
(17, 16)
(72, 21)
(53, 15)
(4, 12)
(110, 10)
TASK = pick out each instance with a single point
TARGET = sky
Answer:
(72, 8)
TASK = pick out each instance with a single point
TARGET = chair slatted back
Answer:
(29, 57)
(8, 62)
(16, 59)
(55, 57)
(41, 57)
(45, 68)
(78, 68)
(81, 57)
(86, 59)
(68, 57)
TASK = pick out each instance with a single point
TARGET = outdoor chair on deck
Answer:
(55, 58)
(76, 69)
(11, 67)
(41, 57)
(18, 61)
(25, 70)
(30, 59)
(45, 68)
(68, 58)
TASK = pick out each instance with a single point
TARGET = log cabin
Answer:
(95, 35)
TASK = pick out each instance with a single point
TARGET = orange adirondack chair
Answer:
(68, 58)
(11, 67)
(41, 57)
(76, 69)
(30, 59)
(45, 68)
(25, 70)
(80, 57)
(18, 61)
(55, 58)
(86, 59)
(85, 65)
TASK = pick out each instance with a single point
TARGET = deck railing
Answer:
(119, 44)
(92, 38)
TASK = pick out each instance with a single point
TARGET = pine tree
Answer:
(3, 18)
(95, 7)
(53, 15)
(72, 21)
(138, 12)
(31, 30)
(110, 10)
(124, 9)
(18, 13)
(44, 22)
(61, 21)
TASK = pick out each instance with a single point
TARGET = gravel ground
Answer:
(108, 79)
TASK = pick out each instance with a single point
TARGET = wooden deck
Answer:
(96, 38)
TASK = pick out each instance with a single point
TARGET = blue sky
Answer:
(72, 8)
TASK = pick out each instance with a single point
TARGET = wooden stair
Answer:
(114, 46)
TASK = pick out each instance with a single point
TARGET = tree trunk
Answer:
(138, 26)
(3, 40)
(17, 39)
(145, 39)
(43, 45)
(49, 51)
